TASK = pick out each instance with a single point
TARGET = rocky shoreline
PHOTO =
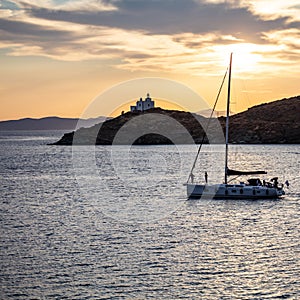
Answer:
(277, 122)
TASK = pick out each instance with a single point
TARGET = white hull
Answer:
(233, 191)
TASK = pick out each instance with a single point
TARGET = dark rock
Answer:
(268, 123)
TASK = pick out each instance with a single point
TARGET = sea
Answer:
(114, 222)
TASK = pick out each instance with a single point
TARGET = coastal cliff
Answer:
(268, 123)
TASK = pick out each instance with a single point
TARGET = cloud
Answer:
(69, 6)
(286, 51)
(171, 36)
(157, 17)
(289, 37)
(266, 9)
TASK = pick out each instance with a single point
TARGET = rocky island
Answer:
(268, 123)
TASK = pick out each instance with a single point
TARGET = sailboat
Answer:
(254, 188)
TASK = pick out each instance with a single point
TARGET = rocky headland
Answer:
(269, 123)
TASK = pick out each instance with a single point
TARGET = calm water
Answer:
(116, 225)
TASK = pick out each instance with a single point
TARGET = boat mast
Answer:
(227, 119)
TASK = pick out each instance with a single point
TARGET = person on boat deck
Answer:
(192, 177)
(206, 177)
(287, 183)
(275, 180)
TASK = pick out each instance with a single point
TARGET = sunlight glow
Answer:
(246, 58)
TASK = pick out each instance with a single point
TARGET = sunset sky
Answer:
(56, 56)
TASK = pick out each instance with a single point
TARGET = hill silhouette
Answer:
(268, 123)
(48, 123)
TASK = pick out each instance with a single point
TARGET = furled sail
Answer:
(237, 173)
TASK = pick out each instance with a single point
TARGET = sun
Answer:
(245, 57)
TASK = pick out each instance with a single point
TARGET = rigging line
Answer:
(207, 125)
(234, 178)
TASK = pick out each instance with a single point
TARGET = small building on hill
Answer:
(142, 105)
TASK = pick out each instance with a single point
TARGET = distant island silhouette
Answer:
(48, 123)
(276, 122)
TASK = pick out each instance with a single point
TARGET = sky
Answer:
(56, 56)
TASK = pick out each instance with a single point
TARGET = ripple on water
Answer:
(55, 244)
